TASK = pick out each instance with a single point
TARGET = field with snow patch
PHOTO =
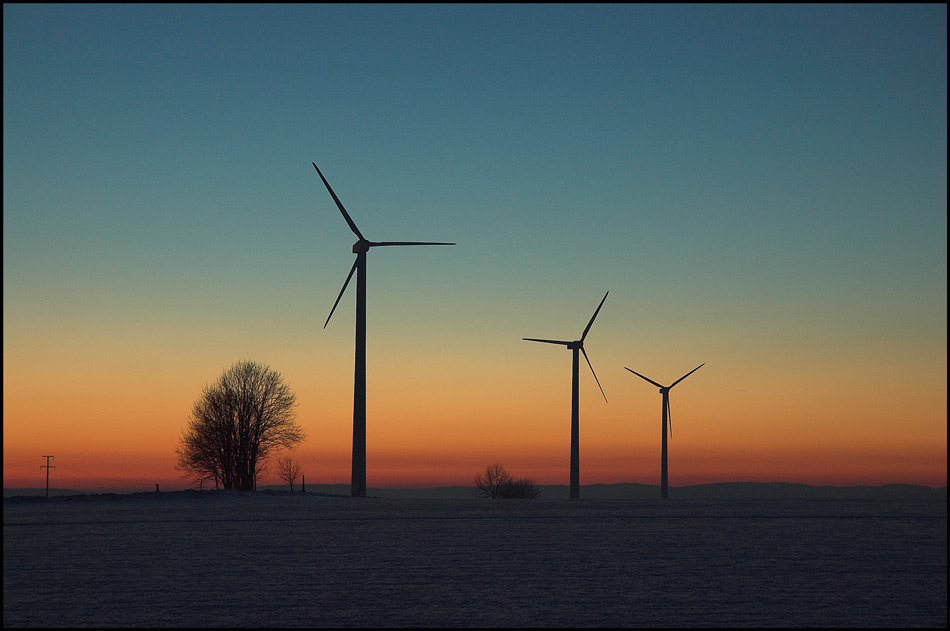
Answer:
(271, 559)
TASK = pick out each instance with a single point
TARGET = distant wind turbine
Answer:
(360, 248)
(576, 345)
(667, 418)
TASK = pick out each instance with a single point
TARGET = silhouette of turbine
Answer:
(576, 345)
(360, 248)
(667, 417)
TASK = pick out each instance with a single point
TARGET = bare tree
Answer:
(288, 470)
(488, 483)
(497, 483)
(236, 424)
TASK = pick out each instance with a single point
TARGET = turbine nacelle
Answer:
(665, 391)
(578, 345)
(363, 245)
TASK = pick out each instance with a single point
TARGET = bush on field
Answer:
(496, 482)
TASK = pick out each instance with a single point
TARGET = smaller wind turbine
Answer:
(667, 418)
(576, 345)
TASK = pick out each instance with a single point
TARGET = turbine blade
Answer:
(345, 283)
(593, 373)
(534, 339)
(339, 205)
(646, 378)
(375, 243)
(594, 316)
(688, 374)
(669, 415)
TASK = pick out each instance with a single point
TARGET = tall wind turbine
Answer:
(667, 418)
(360, 248)
(576, 345)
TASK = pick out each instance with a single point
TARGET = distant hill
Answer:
(623, 491)
(632, 490)
(42, 492)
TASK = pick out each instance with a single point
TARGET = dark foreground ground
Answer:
(272, 560)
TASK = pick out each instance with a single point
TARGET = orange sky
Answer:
(438, 425)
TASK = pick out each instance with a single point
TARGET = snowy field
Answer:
(271, 559)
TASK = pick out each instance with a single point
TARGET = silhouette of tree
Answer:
(288, 470)
(497, 483)
(236, 424)
(522, 488)
(488, 483)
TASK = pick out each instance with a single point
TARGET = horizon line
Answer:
(123, 489)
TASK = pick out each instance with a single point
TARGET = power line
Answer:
(47, 467)
(21, 462)
(93, 476)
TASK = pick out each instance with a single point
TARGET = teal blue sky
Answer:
(760, 187)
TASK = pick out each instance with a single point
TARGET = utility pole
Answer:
(47, 467)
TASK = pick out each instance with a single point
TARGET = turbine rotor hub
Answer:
(361, 246)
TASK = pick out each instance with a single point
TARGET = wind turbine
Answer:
(576, 345)
(360, 248)
(667, 417)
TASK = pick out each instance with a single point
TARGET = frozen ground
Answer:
(275, 559)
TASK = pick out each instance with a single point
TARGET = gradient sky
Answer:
(760, 188)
